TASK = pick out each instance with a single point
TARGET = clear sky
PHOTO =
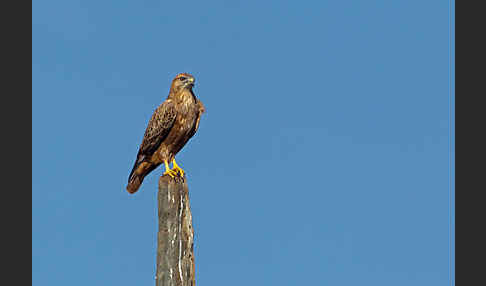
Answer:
(323, 158)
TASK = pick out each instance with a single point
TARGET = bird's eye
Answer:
(182, 78)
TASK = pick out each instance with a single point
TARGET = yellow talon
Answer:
(169, 171)
(177, 169)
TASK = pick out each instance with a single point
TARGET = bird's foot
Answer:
(178, 170)
(171, 173)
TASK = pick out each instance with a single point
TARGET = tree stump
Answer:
(175, 238)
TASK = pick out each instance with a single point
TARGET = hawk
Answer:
(172, 124)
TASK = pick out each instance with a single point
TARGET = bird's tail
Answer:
(139, 171)
(134, 184)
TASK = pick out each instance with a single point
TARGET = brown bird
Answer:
(172, 124)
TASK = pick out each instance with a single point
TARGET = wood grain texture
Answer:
(175, 238)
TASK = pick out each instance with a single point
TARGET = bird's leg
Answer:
(168, 171)
(177, 168)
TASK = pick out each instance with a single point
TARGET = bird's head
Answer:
(182, 81)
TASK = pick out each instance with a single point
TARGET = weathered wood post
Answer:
(175, 238)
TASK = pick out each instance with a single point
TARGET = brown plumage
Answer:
(172, 124)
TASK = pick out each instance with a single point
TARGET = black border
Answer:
(16, 117)
(470, 144)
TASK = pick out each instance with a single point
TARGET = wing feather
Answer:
(201, 110)
(158, 128)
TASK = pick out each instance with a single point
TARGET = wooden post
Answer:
(175, 239)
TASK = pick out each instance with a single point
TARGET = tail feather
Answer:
(134, 184)
(135, 166)
(140, 169)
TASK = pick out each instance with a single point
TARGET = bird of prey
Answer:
(172, 124)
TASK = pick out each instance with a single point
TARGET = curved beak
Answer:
(190, 81)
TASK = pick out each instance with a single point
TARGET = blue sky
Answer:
(323, 158)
